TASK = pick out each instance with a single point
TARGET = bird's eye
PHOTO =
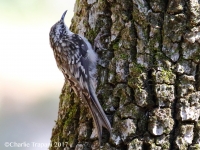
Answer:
(62, 26)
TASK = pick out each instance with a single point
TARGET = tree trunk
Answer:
(148, 76)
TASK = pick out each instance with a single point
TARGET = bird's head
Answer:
(58, 30)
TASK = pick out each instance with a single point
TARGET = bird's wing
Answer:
(78, 62)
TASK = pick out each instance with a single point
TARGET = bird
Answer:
(77, 60)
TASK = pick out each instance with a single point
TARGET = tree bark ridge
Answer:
(148, 76)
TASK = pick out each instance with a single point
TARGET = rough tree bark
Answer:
(148, 76)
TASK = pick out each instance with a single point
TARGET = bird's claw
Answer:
(97, 43)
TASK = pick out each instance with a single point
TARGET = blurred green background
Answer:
(30, 82)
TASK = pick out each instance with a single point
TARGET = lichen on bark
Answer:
(148, 76)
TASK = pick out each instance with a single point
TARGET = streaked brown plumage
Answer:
(77, 61)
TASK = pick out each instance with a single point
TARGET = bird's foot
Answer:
(97, 42)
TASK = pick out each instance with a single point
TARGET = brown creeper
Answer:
(77, 60)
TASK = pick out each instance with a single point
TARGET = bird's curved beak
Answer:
(63, 16)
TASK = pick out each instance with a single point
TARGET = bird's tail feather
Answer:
(96, 107)
(99, 117)
(98, 114)
(97, 123)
